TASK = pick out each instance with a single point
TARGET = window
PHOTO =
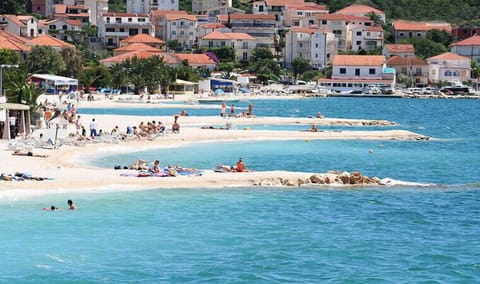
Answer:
(118, 20)
(448, 73)
(260, 8)
(245, 45)
(141, 20)
(174, 23)
(52, 27)
(316, 55)
(174, 32)
(190, 33)
(245, 56)
(324, 22)
(145, 31)
(182, 33)
(337, 32)
(129, 20)
(110, 30)
(401, 34)
(108, 20)
(343, 70)
(300, 45)
(359, 33)
(64, 27)
(371, 71)
(357, 72)
(419, 34)
(316, 45)
(455, 73)
(359, 43)
(368, 33)
(122, 30)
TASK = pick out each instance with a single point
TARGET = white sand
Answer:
(68, 168)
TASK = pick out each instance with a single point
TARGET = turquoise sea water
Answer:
(274, 235)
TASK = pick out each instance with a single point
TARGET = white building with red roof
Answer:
(317, 45)
(295, 13)
(63, 29)
(242, 43)
(182, 28)
(361, 10)
(113, 27)
(157, 17)
(342, 27)
(205, 29)
(357, 72)
(72, 12)
(407, 29)
(414, 68)
(399, 49)
(144, 39)
(201, 7)
(449, 67)
(366, 37)
(47, 40)
(14, 43)
(276, 8)
(469, 47)
(24, 26)
(261, 27)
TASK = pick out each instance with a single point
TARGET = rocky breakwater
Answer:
(333, 178)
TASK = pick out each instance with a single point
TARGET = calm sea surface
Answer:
(380, 235)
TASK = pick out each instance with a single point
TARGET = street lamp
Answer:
(1, 75)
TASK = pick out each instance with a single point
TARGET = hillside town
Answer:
(297, 42)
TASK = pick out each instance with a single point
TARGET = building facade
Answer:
(114, 27)
(146, 6)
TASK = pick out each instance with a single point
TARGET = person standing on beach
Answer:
(250, 109)
(232, 110)
(93, 129)
(223, 112)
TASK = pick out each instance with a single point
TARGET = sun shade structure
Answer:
(54, 80)
(22, 119)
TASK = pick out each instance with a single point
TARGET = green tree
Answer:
(13, 7)
(45, 59)
(173, 44)
(439, 36)
(7, 56)
(300, 65)
(267, 69)
(74, 60)
(425, 48)
(119, 75)
(224, 54)
(261, 53)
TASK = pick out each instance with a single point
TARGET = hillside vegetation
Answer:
(446, 10)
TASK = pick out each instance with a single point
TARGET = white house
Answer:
(317, 45)
(449, 67)
(242, 43)
(145, 6)
(114, 27)
(182, 28)
(366, 37)
(357, 72)
(24, 26)
(64, 29)
(469, 47)
(97, 8)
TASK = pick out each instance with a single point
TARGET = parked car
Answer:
(427, 91)
(108, 91)
(413, 91)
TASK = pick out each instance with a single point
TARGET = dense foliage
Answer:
(446, 10)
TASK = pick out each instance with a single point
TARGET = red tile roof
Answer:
(283, 2)
(473, 40)
(137, 46)
(174, 17)
(398, 60)
(356, 9)
(195, 59)
(167, 58)
(448, 56)
(308, 7)
(14, 20)
(421, 26)
(342, 17)
(47, 40)
(400, 48)
(143, 38)
(216, 35)
(14, 37)
(358, 60)
(211, 26)
(8, 43)
(374, 29)
(60, 9)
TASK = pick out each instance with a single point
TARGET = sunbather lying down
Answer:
(28, 154)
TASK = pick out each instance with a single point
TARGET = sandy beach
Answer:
(68, 170)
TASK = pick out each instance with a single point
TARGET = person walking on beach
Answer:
(93, 129)
(250, 109)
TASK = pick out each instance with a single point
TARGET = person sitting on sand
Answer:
(154, 167)
(314, 128)
(71, 206)
(240, 167)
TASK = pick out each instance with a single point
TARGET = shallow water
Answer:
(400, 234)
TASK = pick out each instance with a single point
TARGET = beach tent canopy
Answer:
(6, 109)
(55, 80)
(183, 82)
